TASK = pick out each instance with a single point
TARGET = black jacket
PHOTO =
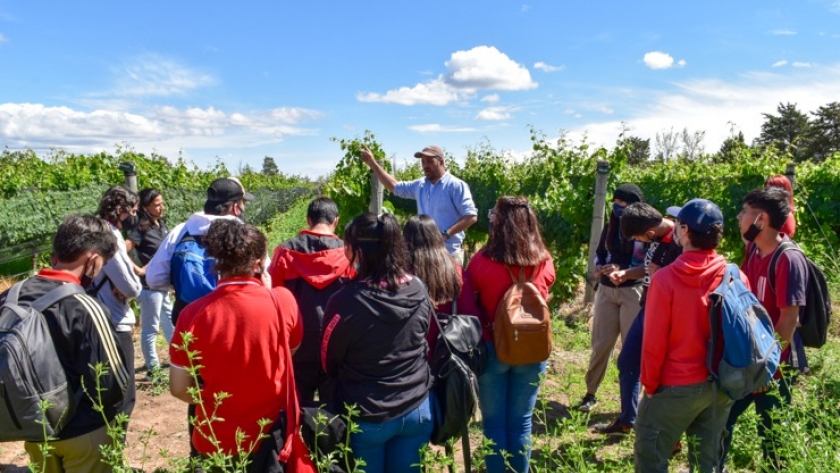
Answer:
(72, 324)
(374, 346)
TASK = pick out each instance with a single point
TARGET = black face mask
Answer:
(129, 222)
(752, 232)
(87, 280)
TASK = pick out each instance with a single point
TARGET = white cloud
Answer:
(710, 105)
(485, 67)
(436, 92)
(492, 98)
(660, 60)
(780, 63)
(3, 38)
(525, 8)
(155, 75)
(480, 68)
(438, 128)
(494, 114)
(547, 67)
(801, 64)
(569, 111)
(164, 128)
(783, 32)
(606, 110)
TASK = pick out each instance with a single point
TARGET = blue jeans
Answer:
(629, 368)
(394, 445)
(777, 397)
(155, 313)
(507, 395)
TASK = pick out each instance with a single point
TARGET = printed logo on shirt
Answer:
(326, 342)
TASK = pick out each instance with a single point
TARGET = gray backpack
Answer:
(30, 371)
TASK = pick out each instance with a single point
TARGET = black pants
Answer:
(127, 347)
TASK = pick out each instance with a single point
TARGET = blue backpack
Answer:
(191, 269)
(742, 336)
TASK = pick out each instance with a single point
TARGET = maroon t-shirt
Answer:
(790, 281)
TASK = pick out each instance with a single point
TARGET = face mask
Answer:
(129, 222)
(752, 232)
(87, 279)
(617, 209)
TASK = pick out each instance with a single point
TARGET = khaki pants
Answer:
(614, 310)
(79, 454)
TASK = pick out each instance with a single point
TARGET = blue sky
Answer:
(238, 81)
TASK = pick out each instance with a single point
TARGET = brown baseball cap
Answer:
(432, 151)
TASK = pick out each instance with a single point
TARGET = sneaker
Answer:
(614, 428)
(587, 403)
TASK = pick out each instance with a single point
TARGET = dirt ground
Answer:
(158, 424)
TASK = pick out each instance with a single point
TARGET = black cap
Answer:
(227, 189)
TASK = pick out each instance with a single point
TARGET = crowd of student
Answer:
(333, 322)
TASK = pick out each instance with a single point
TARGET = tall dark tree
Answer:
(269, 167)
(825, 132)
(730, 148)
(788, 131)
(638, 150)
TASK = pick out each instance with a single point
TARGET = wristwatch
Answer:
(445, 233)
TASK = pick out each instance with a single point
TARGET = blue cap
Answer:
(699, 214)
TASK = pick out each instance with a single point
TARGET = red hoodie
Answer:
(316, 258)
(677, 331)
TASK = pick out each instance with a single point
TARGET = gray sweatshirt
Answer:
(118, 274)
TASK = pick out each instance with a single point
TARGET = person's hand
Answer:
(608, 269)
(119, 295)
(618, 277)
(367, 155)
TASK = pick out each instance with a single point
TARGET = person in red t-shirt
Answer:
(244, 345)
(763, 214)
(507, 393)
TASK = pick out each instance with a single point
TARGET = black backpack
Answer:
(459, 358)
(815, 315)
(30, 371)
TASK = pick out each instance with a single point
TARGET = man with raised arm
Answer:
(439, 195)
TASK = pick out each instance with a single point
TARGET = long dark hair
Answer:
(515, 235)
(147, 196)
(376, 245)
(429, 260)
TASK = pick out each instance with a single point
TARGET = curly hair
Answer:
(115, 201)
(235, 246)
(515, 236)
(377, 245)
(429, 260)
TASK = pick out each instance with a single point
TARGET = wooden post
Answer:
(603, 173)
(129, 170)
(376, 190)
(790, 173)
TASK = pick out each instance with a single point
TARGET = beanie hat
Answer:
(629, 193)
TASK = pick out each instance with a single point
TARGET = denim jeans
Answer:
(155, 313)
(394, 445)
(507, 395)
(777, 397)
(629, 368)
(700, 410)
